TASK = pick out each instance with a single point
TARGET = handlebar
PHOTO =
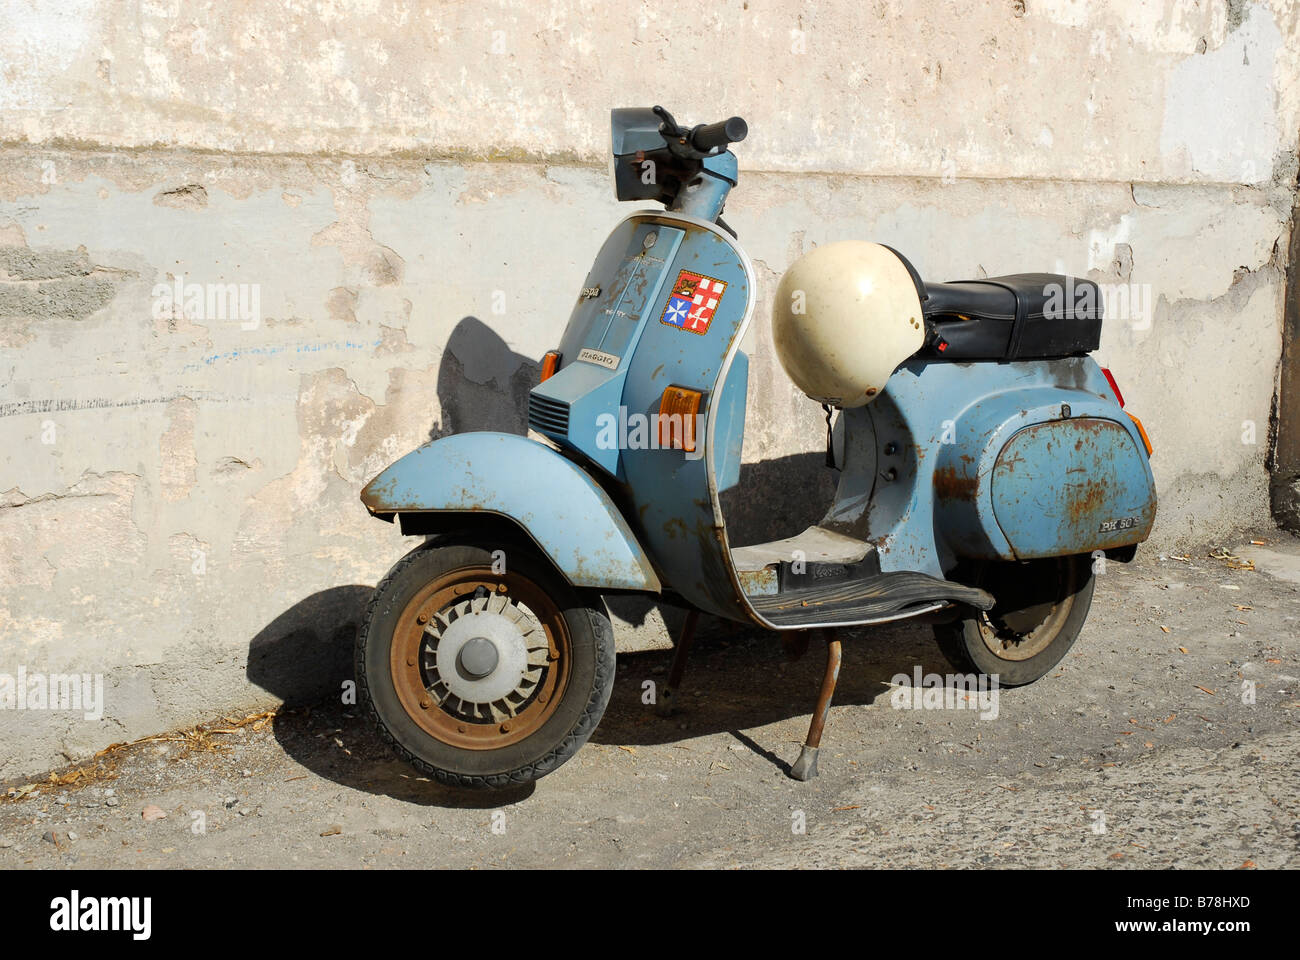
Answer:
(708, 136)
(703, 138)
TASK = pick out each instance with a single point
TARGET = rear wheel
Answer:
(1041, 606)
(483, 674)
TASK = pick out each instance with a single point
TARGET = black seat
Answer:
(1018, 317)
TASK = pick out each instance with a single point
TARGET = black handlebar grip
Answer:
(710, 135)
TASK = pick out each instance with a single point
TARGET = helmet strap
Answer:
(830, 443)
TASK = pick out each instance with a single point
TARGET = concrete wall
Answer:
(415, 191)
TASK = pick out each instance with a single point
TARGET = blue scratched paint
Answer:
(563, 510)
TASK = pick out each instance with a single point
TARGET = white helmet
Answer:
(845, 316)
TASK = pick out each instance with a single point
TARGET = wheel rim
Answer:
(481, 660)
(1034, 602)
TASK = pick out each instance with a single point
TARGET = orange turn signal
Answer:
(550, 363)
(677, 411)
(1146, 441)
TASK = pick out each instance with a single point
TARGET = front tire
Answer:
(1041, 606)
(480, 678)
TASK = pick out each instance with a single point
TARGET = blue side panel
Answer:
(1071, 486)
(918, 478)
(571, 519)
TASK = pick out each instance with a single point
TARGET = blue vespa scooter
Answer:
(975, 489)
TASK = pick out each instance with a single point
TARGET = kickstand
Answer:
(805, 768)
(664, 705)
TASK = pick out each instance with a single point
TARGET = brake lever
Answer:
(678, 137)
(668, 127)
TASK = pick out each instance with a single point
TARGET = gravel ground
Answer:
(1140, 750)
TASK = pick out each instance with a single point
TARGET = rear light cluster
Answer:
(1142, 431)
(1113, 385)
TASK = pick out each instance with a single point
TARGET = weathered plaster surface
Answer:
(1058, 89)
(178, 493)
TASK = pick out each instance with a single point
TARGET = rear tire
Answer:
(1041, 607)
(532, 679)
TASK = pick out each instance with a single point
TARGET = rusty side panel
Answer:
(1072, 486)
(952, 483)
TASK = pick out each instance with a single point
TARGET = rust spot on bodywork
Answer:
(949, 484)
(1090, 499)
(377, 496)
(1010, 462)
(674, 526)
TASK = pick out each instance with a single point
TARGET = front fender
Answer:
(570, 518)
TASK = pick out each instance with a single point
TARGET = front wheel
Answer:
(483, 668)
(1040, 609)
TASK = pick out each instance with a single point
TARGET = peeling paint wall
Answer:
(388, 207)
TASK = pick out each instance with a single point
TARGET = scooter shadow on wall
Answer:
(482, 383)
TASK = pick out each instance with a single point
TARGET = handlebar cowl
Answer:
(652, 157)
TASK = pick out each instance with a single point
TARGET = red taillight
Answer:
(1142, 431)
(1113, 385)
(550, 363)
